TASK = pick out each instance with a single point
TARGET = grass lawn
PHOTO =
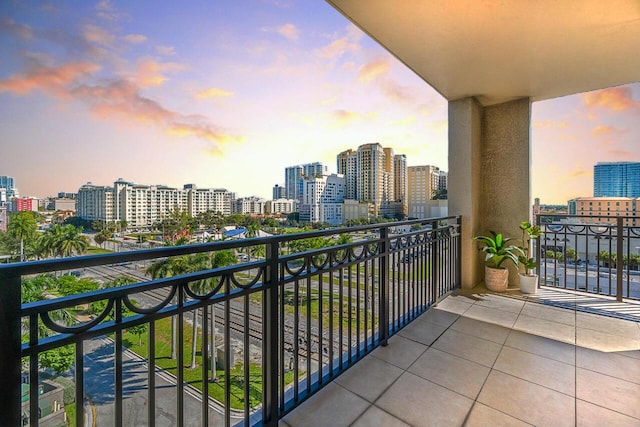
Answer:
(70, 409)
(94, 250)
(194, 376)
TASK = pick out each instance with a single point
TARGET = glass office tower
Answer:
(616, 179)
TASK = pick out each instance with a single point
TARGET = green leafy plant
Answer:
(498, 250)
(529, 233)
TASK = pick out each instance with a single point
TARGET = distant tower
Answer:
(616, 179)
(279, 192)
(347, 166)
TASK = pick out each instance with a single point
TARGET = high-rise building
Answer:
(370, 174)
(616, 179)
(422, 184)
(142, 206)
(347, 166)
(374, 174)
(294, 175)
(400, 178)
(9, 184)
(322, 199)
(279, 192)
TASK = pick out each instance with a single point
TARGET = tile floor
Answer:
(480, 359)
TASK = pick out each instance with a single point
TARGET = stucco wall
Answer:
(489, 174)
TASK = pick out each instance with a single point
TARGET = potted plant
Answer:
(498, 250)
(528, 280)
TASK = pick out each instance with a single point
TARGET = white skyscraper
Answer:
(322, 199)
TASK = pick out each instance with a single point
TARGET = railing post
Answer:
(619, 259)
(459, 254)
(435, 268)
(270, 339)
(10, 361)
(383, 281)
(538, 255)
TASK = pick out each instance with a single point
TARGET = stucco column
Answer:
(489, 174)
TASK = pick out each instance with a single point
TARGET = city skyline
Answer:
(220, 94)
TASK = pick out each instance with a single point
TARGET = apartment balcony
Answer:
(481, 359)
(371, 329)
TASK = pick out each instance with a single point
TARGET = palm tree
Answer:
(65, 241)
(22, 226)
(197, 262)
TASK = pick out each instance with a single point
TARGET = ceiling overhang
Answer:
(501, 50)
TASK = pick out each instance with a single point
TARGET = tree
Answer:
(59, 359)
(572, 255)
(22, 226)
(101, 237)
(65, 241)
(440, 194)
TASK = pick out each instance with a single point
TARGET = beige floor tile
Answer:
(468, 347)
(439, 317)
(281, 423)
(376, 417)
(546, 328)
(400, 351)
(483, 416)
(546, 347)
(419, 402)
(589, 415)
(540, 370)
(554, 314)
(456, 374)
(369, 377)
(480, 329)
(609, 392)
(609, 363)
(603, 341)
(491, 315)
(453, 304)
(526, 401)
(423, 332)
(608, 325)
(331, 406)
(499, 302)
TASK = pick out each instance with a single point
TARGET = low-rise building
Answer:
(602, 209)
(280, 206)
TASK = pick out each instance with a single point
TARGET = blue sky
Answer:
(229, 93)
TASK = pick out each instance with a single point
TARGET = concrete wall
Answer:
(489, 174)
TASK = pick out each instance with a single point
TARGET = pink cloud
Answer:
(602, 130)
(122, 99)
(97, 35)
(373, 69)
(289, 31)
(614, 99)
(152, 73)
(135, 38)
(550, 124)
(53, 80)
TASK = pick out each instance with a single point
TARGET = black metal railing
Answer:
(265, 333)
(592, 254)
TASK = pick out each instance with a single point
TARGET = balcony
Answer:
(204, 344)
(373, 327)
(480, 359)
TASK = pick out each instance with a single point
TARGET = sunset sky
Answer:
(228, 93)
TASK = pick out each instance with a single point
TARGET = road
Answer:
(99, 388)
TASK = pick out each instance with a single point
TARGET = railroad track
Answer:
(236, 316)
